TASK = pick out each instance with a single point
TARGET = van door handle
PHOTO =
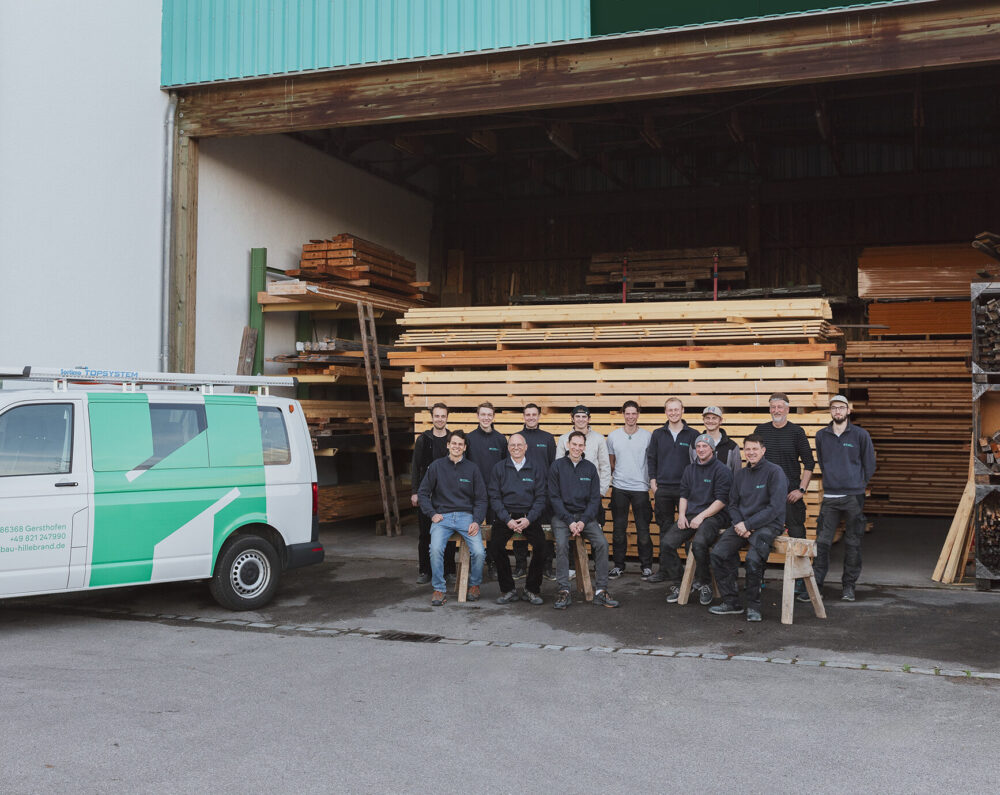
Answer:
(67, 483)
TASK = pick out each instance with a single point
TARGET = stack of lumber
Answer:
(673, 268)
(920, 318)
(914, 398)
(924, 271)
(295, 295)
(733, 354)
(987, 331)
(347, 424)
(957, 547)
(334, 361)
(351, 261)
(355, 500)
(988, 243)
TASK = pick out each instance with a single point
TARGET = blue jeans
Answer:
(440, 533)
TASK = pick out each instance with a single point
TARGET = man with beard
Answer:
(847, 460)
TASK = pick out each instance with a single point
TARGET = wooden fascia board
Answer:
(854, 43)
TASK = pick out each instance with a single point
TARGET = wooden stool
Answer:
(798, 553)
(462, 570)
(582, 565)
(688, 579)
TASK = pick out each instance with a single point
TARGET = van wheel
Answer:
(247, 573)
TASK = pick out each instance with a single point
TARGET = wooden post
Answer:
(258, 284)
(183, 254)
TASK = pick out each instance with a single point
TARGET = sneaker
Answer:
(616, 572)
(532, 598)
(603, 599)
(438, 599)
(647, 572)
(520, 573)
(753, 614)
(725, 609)
(848, 595)
(705, 595)
(673, 594)
(473, 594)
(507, 598)
(563, 600)
(549, 573)
(802, 596)
(660, 576)
(423, 578)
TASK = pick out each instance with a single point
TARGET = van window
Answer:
(36, 440)
(274, 436)
(173, 426)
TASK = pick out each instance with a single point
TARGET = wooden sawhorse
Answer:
(798, 553)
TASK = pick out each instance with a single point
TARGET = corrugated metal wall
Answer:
(209, 40)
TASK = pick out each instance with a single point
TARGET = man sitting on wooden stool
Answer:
(429, 446)
(757, 509)
(541, 452)
(705, 488)
(517, 495)
(575, 493)
(847, 460)
(453, 494)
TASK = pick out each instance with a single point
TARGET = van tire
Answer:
(247, 574)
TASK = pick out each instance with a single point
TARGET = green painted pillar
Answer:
(258, 284)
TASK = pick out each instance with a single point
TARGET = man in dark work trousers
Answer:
(541, 453)
(517, 495)
(486, 447)
(786, 446)
(756, 508)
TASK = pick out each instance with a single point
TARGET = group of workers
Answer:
(703, 498)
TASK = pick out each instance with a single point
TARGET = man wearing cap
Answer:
(574, 492)
(671, 449)
(726, 450)
(847, 460)
(541, 452)
(705, 488)
(756, 508)
(630, 488)
(786, 446)
(517, 495)
(453, 495)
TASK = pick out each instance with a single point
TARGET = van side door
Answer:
(44, 486)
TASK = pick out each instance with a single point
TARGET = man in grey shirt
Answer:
(630, 488)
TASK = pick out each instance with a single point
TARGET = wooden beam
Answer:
(820, 47)
(183, 254)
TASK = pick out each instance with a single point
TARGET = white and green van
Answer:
(101, 488)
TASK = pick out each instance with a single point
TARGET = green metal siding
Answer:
(624, 16)
(210, 40)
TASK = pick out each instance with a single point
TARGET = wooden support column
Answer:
(183, 253)
(258, 284)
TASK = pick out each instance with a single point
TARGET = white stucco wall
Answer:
(81, 183)
(275, 193)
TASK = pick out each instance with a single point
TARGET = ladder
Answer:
(380, 419)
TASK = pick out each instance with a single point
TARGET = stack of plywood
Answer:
(914, 398)
(732, 354)
(673, 268)
(923, 271)
(351, 261)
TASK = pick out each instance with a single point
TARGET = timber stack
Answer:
(731, 354)
(672, 269)
(909, 384)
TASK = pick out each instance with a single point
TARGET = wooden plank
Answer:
(922, 271)
(806, 49)
(710, 311)
(921, 317)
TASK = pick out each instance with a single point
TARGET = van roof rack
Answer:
(130, 380)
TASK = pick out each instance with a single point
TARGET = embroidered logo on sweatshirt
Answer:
(585, 479)
(761, 486)
(464, 480)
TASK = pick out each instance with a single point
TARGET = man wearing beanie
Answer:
(847, 459)
(705, 487)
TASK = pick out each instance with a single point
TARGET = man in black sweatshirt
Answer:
(541, 452)
(705, 488)
(486, 448)
(431, 445)
(757, 509)
(671, 449)
(575, 494)
(847, 459)
(453, 495)
(517, 495)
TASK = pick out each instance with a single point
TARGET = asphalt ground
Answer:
(351, 682)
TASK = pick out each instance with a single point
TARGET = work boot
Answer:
(848, 595)
(507, 598)
(726, 609)
(753, 614)
(563, 600)
(603, 599)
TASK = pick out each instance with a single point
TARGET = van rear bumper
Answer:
(307, 554)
